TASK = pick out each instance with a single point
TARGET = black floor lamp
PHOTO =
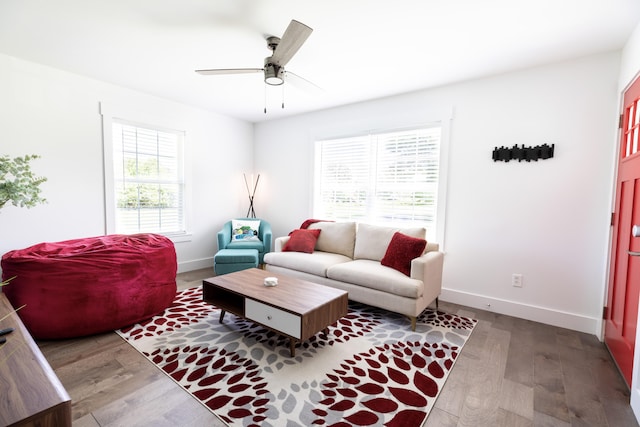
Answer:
(251, 213)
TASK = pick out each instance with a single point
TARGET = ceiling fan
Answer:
(283, 48)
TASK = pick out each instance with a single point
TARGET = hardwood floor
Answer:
(515, 372)
(511, 373)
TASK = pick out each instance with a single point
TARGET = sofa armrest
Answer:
(224, 235)
(428, 269)
(279, 243)
(266, 236)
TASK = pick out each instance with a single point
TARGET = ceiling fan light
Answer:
(274, 81)
(273, 75)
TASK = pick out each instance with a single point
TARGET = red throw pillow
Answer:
(401, 250)
(302, 241)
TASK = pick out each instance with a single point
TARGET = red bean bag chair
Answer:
(87, 286)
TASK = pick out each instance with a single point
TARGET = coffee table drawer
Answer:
(272, 317)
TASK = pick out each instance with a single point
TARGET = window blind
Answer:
(386, 178)
(149, 183)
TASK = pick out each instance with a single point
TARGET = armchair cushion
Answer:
(246, 244)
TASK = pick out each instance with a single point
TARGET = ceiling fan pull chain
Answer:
(265, 98)
(282, 97)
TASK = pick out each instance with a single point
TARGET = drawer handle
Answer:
(269, 317)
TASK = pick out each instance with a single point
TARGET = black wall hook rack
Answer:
(528, 154)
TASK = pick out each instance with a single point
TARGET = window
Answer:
(148, 179)
(387, 178)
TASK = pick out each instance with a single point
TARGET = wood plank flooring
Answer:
(511, 373)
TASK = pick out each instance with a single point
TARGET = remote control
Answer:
(5, 331)
(3, 340)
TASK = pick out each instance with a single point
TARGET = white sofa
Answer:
(348, 256)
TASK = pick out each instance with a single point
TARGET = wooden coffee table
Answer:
(295, 308)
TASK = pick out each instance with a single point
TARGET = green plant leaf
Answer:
(18, 184)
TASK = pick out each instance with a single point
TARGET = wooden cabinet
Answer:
(30, 392)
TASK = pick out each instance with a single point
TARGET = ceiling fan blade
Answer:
(301, 82)
(217, 71)
(293, 38)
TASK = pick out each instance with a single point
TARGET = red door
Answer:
(624, 279)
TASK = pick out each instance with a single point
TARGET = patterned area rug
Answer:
(370, 369)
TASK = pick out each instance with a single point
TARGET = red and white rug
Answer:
(370, 369)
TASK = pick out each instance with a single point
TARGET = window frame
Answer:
(135, 119)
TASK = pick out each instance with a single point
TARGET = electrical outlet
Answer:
(516, 280)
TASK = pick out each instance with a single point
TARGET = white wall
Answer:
(56, 114)
(548, 220)
(630, 61)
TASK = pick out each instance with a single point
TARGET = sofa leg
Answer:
(413, 322)
(436, 303)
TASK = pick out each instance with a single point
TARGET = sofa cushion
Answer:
(316, 263)
(371, 274)
(372, 241)
(402, 249)
(301, 241)
(336, 237)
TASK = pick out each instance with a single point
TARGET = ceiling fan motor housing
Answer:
(273, 73)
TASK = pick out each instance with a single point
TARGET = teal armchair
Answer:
(228, 240)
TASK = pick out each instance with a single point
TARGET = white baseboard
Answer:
(196, 264)
(576, 322)
(635, 402)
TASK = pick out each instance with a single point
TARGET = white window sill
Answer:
(180, 238)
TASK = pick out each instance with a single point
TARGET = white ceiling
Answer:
(359, 49)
